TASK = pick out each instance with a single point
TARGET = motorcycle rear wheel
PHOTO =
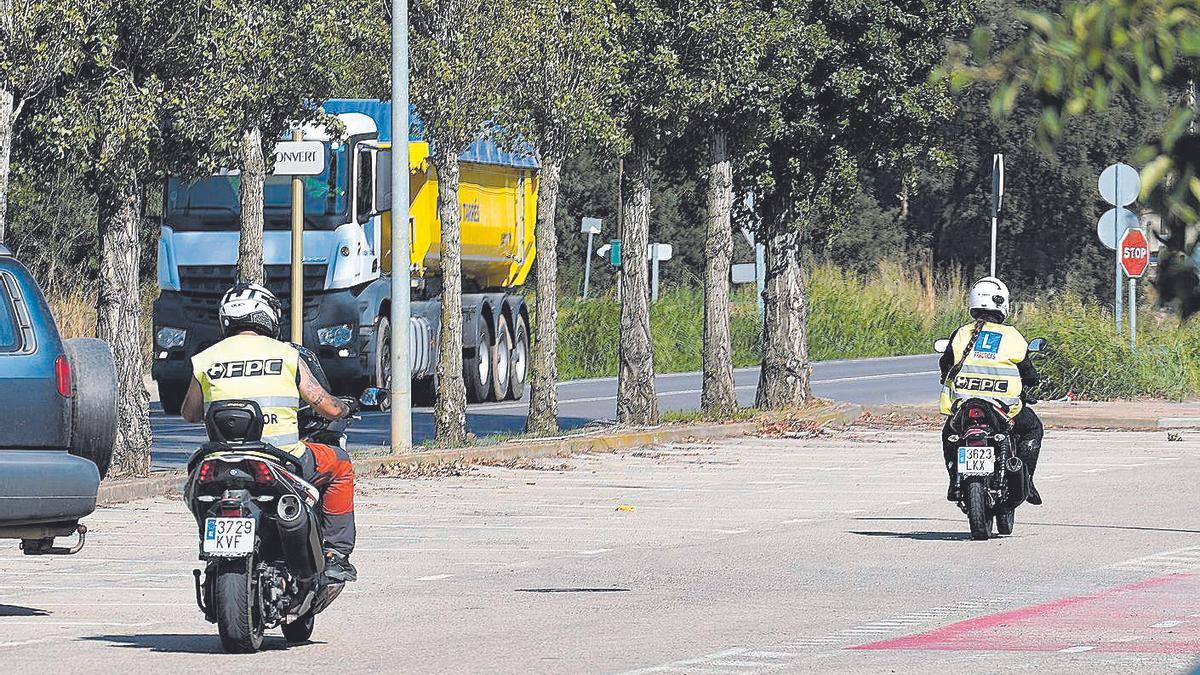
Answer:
(1005, 521)
(977, 515)
(300, 630)
(239, 620)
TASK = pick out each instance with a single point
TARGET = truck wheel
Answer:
(518, 373)
(501, 361)
(93, 401)
(383, 353)
(171, 395)
(477, 370)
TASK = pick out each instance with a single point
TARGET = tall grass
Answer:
(75, 314)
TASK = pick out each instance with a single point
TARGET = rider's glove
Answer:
(353, 407)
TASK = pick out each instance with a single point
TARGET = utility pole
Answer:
(400, 368)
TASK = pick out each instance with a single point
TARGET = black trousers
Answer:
(1027, 432)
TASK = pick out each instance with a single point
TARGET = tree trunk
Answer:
(8, 120)
(543, 383)
(717, 394)
(250, 244)
(784, 377)
(450, 412)
(637, 402)
(118, 318)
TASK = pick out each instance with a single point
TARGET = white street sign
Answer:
(744, 273)
(1120, 185)
(299, 158)
(602, 252)
(664, 251)
(1113, 223)
(590, 226)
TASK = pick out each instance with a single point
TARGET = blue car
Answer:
(59, 403)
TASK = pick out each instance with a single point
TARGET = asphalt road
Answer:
(828, 554)
(902, 379)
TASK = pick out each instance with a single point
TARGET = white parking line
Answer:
(435, 577)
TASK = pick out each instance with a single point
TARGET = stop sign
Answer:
(1135, 252)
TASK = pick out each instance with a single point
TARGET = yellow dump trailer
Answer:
(498, 210)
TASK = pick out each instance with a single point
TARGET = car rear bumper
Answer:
(45, 486)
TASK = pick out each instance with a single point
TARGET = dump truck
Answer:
(347, 261)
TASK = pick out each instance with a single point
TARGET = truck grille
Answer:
(203, 285)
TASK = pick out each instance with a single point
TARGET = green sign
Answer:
(614, 253)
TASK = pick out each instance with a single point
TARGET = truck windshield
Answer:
(213, 203)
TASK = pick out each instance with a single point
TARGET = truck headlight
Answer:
(335, 336)
(170, 338)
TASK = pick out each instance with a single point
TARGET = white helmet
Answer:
(989, 294)
(250, 307)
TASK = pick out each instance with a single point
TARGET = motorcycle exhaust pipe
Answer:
(289, 508)
(296, 537)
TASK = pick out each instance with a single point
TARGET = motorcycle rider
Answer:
(251, 363)
(997, 366)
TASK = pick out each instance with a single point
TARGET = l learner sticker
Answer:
(988, 342)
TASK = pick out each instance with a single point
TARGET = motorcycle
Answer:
(990, 481)
(259, 527)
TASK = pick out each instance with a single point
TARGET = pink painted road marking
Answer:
(1102, 620)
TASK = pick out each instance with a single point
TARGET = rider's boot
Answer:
(951, 493)
(338, 567)
(1032, 449)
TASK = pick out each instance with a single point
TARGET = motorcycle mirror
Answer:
(375, 397)
(940, 346)
(1037, 345)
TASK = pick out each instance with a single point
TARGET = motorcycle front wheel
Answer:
(975, 497)
(239, 617)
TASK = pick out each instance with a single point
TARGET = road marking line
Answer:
(435, 577)
(595, 551)
(1167, 624)
(797, 520)
(1128, 638)
(1076, 650)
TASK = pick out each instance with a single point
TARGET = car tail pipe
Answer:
(298, 536)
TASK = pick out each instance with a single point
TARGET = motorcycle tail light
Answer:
(262, 472)
(207, 472)
(975, 413)
(230, 511)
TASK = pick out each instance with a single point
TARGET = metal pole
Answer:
(993, 244)
(760, 275)
(1132, 313)
(401, 369)
(620, 223)
(587, 266)
(654, 276)
(297, 252)
(1117, 248)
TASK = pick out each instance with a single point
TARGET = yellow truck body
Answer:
(498, 212)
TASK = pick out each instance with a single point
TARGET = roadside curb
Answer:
(1052, 418)
(128, 490)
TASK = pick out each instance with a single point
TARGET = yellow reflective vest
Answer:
(255, 368)
(990, 368)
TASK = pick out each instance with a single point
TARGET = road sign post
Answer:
(997, 200)
(1133, 252)
(590, 227)
(657, 253)
(400, 384)
(1119, 185)
(298, 158)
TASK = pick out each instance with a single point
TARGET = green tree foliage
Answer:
(41, 42)
(1092, 52)
(462, 59)
(567, 65)
(256, 69)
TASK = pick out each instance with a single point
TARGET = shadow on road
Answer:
(1030, 523)
(572, 590)
(179, 643)
(918, 536)
(18, 610)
